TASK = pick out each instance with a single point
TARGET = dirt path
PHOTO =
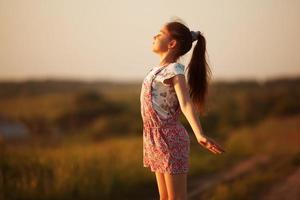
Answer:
(197, 186)
(289, 189)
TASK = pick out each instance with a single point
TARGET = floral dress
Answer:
(166, 143)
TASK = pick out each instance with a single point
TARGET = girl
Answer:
(164, 95)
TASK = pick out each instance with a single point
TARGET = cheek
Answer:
(163, 45)
(162, 42)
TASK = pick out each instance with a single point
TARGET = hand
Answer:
(211, 145)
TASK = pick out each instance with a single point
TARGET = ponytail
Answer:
(198, 70)
(198, 75)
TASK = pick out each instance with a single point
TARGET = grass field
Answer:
(112, 169)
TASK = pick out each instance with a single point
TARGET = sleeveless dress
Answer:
(166, 143)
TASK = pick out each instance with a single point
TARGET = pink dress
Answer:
(166, 143)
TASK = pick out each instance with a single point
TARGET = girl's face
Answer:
(161, 41)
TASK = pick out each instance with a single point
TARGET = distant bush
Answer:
(229, 105)
(87, 107)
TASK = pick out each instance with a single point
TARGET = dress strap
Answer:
(156, 72)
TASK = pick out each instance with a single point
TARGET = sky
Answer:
(111, 39)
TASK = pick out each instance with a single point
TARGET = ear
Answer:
(172, 44)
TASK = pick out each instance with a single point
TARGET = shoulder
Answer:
(171, 71)
(176, 67)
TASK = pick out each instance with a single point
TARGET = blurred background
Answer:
(70, 80)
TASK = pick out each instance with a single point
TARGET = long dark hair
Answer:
(199, 72)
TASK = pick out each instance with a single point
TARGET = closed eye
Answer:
(157, 35)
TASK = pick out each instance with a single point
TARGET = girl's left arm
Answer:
(186, 106)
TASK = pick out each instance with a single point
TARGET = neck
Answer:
(165, 59)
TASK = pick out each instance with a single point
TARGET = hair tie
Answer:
(195, 35)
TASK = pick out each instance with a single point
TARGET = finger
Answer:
(211, 147)
(218, 147)
(207, 145)
(215, 144)
(212, 150)
(216, 150)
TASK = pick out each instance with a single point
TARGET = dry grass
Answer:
(85, 170)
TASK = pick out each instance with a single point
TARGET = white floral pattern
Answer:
(165, 101)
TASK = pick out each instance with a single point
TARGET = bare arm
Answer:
(187, 105)
(188, 110)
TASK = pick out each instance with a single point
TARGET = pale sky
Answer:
(111, 40)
